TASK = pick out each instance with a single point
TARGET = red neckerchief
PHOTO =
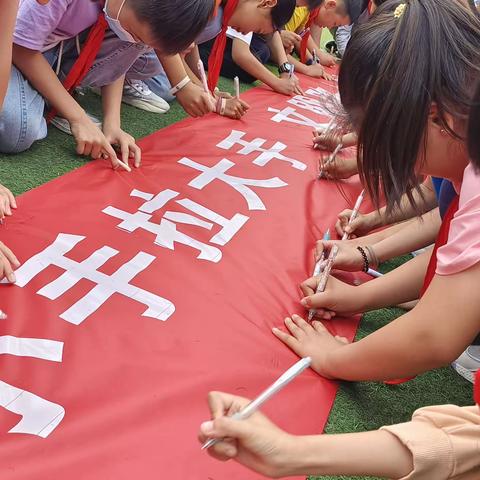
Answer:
(86, 58)
(442, 239)
(216, 55)
(304, 43)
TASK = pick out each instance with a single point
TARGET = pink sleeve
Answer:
(463, 248)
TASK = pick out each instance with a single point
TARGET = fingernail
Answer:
(305, 301)
(275, 330)
(207, 427)
(3, 315)
(348, 229)
(12, 278)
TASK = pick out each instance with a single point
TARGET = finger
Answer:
(6, 206)
(286, 338)
(7, 270)
(220, 403)
(11, 198)
(319, 327)
(301, 323)
(88, 149)
(137, 155)
(125, 151)
(80, 147)
(9, 255)
(96, 151)
(293, 328)
(223, 451)
(309, 286)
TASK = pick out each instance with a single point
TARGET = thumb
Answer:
(353, 226)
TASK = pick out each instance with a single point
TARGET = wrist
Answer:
(111, 121)
(76, 116)
(375, 219)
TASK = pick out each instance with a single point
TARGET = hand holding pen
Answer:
(249, 409)
(333, 254)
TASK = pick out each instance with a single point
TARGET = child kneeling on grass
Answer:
(50, 35)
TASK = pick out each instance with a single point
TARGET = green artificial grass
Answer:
(358, 406)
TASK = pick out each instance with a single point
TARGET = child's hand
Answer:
(236, 108)
(91, 141)
(125, 142)
(324, 141)
(326, 59)
(7, 202)
(288, 86)
(254, 442)
(362, 225)
(338, 298)
(348, 257)
(340, 168)
(310, 340)
(289, 39)
(195, 101)
(315, 70)
(8, 263)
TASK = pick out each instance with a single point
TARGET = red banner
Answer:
(139, 293)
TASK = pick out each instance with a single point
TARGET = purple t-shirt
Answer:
(41, 27)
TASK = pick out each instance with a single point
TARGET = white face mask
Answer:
(116, 26)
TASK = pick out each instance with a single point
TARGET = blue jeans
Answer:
(160, 84)
(22, 122)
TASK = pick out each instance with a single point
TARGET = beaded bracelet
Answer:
(366, 263)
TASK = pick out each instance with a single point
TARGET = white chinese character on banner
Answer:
(309, 104)
(241, 185)
(289, 114)
(257, 145)
(40, 417)
(105, 285)
(166, 233)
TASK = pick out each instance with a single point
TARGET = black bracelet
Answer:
(366, 263)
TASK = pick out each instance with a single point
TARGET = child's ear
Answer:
(268, 3)
(330, 4)
(436, 121)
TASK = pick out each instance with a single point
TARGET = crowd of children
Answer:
(418, 157)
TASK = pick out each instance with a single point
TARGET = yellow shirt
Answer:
(297, 22)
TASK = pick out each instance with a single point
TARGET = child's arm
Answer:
(40, 74)
(234, 107)
(7, 25)
(261, 446)
(430, 336)
(439, 442)
(244, 58)
(191, 97)
(325, 58)
(279, 56)
(111, 102)
(378, 218)
(407, 237)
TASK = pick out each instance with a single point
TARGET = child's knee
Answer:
(21, 119)
(19, 132)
